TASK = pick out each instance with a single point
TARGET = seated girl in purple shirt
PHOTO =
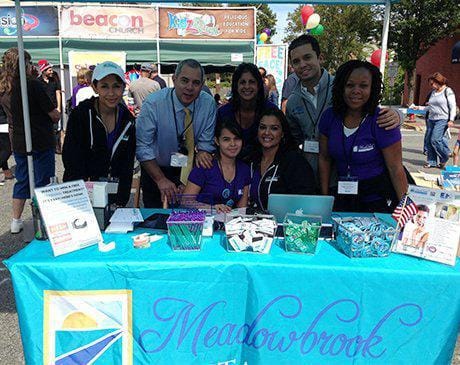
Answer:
(226, 183)
(368, 159)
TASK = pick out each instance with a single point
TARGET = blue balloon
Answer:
(260, 42)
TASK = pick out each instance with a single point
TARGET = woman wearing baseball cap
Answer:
(100, 140)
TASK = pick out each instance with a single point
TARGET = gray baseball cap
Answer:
(146, 66)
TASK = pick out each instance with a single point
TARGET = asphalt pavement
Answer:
(10, 341)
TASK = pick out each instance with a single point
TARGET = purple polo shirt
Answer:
(212, 182)
(363, 147)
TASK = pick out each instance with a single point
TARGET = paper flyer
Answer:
(450, 178)
(68, 216)
(432, 233)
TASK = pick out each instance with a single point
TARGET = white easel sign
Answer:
(68, 216)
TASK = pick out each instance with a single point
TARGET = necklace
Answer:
(227, 178)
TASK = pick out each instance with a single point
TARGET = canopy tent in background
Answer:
(22, 67)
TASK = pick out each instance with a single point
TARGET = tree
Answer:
(265, 17)
(415, 26)
(348, 30)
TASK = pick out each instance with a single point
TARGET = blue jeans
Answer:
(44, 169)
(437, 146)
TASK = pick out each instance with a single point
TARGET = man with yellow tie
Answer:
(174, 128)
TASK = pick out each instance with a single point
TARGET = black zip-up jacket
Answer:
(85, 153)
(290, 173)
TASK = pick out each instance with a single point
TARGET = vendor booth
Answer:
(177, 287)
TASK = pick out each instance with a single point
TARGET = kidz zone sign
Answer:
(109, 22)
(196, 23)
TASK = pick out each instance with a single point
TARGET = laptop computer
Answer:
(281, 204)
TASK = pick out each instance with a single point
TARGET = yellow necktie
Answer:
(190, 145)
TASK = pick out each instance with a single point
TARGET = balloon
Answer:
(375, 57)
(313, 21)
(318, 30)
(263, 37)
(305, 13)
(260, 42)
(267, 31)
(258, 37)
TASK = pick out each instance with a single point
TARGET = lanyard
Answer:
(181, 135)
(349, 156)
(315, 121)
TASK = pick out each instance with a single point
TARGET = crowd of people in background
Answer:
(325, 135)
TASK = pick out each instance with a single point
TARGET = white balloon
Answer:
(313, 21)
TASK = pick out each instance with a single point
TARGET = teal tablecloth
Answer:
(155, 306)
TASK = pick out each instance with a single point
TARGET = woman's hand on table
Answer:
(223, 208)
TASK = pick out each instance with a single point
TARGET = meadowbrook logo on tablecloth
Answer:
(95, 327)
(87, 327)
(191, 328)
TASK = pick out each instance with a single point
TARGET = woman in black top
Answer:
(42, 116)
(277, 166)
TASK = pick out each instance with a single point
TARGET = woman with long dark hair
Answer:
(278, 165)
(42, 115)
(368, 158)
(246, 105)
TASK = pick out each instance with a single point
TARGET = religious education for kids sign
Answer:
(206, 23)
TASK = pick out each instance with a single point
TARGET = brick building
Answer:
(437, 59)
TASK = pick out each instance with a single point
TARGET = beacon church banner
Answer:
(207, 23)
(109, 22)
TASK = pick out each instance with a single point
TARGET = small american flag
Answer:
(405, 210)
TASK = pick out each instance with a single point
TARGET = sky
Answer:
(281, 11)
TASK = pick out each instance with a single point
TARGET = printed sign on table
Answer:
(109, 22)
(433, 232)
(196, 23)
(78, 60)
(37, 21)
(68, 216)
(273, 59)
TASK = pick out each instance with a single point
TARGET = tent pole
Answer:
(386, 27)
(63, 121)
(158, 41)
(25, 97)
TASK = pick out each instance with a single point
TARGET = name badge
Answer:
(311, 146)
(178, 160)
(348, 185)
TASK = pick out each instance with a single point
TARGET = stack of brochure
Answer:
(122, 221)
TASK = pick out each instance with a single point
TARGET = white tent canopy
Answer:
(22, 66)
